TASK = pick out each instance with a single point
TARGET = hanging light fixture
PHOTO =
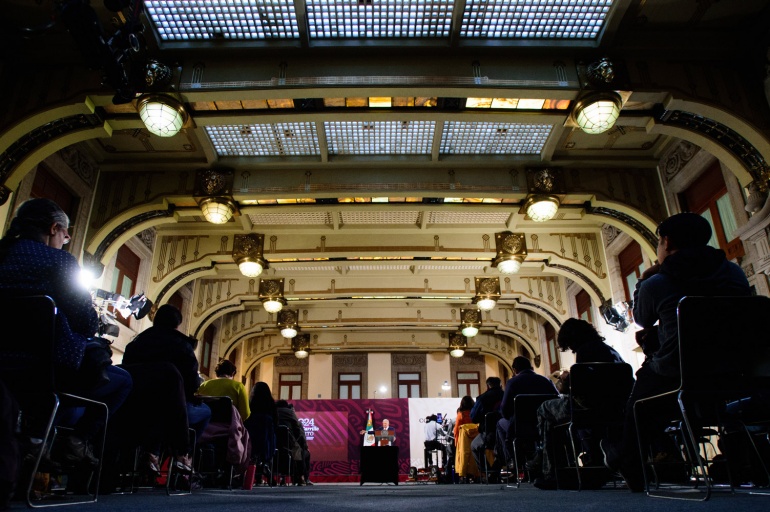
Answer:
(162, 115)
(287, 323)
(457, 344)
(300, 344)
(542, 203)
(247, 253)
(213, 193)
(470, 319)
(597, 112)
(271, 294)
(487, 292)
(511, 252)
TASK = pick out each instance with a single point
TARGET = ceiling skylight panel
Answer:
(337, 19)
(279, 139)
(198, 20)
(485, 138)
(534, 19)
(379, 138)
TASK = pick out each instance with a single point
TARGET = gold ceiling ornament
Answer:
(487, 292)
(470, 321)
(271, 294)
(511, 252)
(457, 344)
(300, 344)
(213, 193)
(247, 253)
(287, 322)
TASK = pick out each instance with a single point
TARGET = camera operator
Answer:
(32, 262)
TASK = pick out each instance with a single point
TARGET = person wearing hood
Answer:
(687, 265)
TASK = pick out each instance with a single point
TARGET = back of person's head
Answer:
(167, 316)
(574, 333)
(493, 382)
(33, 220)
(432, 417)
(282, 404)
(685, 230)
(225, 368)
(466, 403)
(261, 399)
(521, 363)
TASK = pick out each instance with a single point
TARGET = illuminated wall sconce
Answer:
(597, 112)
(445, 386)
(511, 252)
(162, 115)
(300, 344)
(542, 203)
(457, 344)
(287, 323)
(247, 253)
(470, 319)
(271, 294)
(487, 292)
(213, 193)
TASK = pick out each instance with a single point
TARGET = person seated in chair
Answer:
(261, 425)
(524, 382)
(487, 402)
(588, 345)
(226, 385)
(164, 343)
(432, 433)
(33, 262)
(687, 265)
(300, 454)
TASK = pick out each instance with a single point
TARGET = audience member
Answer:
(262, 424)
(588, 346)
(524, 382)
(300, 454)
(463, 415)
(432, 441)
(487, 402)
(164, 343)
(226, 385)
(33, 262)
(687, 265)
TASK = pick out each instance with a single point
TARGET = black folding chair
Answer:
(27, 369)
(724, 354)
(525, 420)
(598, 396)
(212, 451)
(283, 452)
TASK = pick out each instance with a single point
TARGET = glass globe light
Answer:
(456, 352)
(162, 115)
(598, 114)
(509, 266)
(470, 331)
(486, 304)
(272, 305)
(542, 208)
(288, 332)
(216, 210)
(301, 353)
(250, 268)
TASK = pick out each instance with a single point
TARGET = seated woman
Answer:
(33, 262)
(164, 343)
(226, 385)
(261, 424)
(300, 454)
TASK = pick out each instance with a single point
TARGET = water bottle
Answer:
(248, 477)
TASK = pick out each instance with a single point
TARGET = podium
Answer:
(379, 464)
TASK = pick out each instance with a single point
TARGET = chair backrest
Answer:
(599, 391)
(525, 414)
(490, 421)
(221, 408)
(724, 344)
(27, 344)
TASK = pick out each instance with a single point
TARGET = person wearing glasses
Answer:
(32, 262)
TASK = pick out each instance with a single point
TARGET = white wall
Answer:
(319, 381)
(379, 375)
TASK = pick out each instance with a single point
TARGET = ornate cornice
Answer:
(579, 274)
(725, 136)
(631, 222)
(127, 225)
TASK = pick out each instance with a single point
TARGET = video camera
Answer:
(137, 305)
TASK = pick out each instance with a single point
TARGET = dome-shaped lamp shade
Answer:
(250, 268)
(457, 352)
(162, 115)
(509, 266)
(486, 304)
(217, 210)
(288, 332)
(457, 344)
(301, 354)
(287, 323)
(597, 114)
(541, 208)
(272, 305)
(470, 331)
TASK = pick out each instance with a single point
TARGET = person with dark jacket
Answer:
(687, 265)
(487, 402)
(164, 343)
(588, 345)
(297, 441)
(524, 382)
